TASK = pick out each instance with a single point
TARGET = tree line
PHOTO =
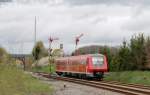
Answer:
(132, 55)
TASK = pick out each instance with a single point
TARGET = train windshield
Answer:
(98, 60)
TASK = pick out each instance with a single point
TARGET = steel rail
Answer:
(116, 87)
(128, 84)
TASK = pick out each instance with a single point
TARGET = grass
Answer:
(14, 81)
(137, 77)
(44, 69)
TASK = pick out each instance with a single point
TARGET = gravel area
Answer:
(67, 88)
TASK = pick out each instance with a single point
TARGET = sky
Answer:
(103, 22)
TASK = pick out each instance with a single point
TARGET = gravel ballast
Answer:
(67, 88)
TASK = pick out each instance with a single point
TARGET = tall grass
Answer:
(137, 77)
(14, 81)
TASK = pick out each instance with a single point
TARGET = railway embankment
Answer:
(135, 77)
(14, 81)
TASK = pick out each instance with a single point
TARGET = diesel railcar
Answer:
(90, 65)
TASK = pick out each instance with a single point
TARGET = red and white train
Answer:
(90, 65)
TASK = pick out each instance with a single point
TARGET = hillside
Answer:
(95, 49)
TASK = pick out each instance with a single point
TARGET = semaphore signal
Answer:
(77, 39)
(51, 39)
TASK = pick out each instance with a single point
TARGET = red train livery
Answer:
(91, 65)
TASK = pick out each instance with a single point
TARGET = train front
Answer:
(98, 65)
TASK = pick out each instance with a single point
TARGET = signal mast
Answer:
(50, 50)
(50, 43)
(77, 39)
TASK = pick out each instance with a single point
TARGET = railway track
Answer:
(129, 89)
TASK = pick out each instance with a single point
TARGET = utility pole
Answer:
(35, 31)
(34, 50)
(77, 39)
(50, 52)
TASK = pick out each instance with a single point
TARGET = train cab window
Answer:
(98, 61)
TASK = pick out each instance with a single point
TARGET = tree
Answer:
(121, 61)
(147, 50)
(114, 64)
(39, 51)
(124, 57)
(137, 46)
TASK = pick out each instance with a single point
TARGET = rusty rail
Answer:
(130, 89)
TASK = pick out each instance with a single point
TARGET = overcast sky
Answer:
(103, 22)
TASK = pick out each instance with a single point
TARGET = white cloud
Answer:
(101, 23)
